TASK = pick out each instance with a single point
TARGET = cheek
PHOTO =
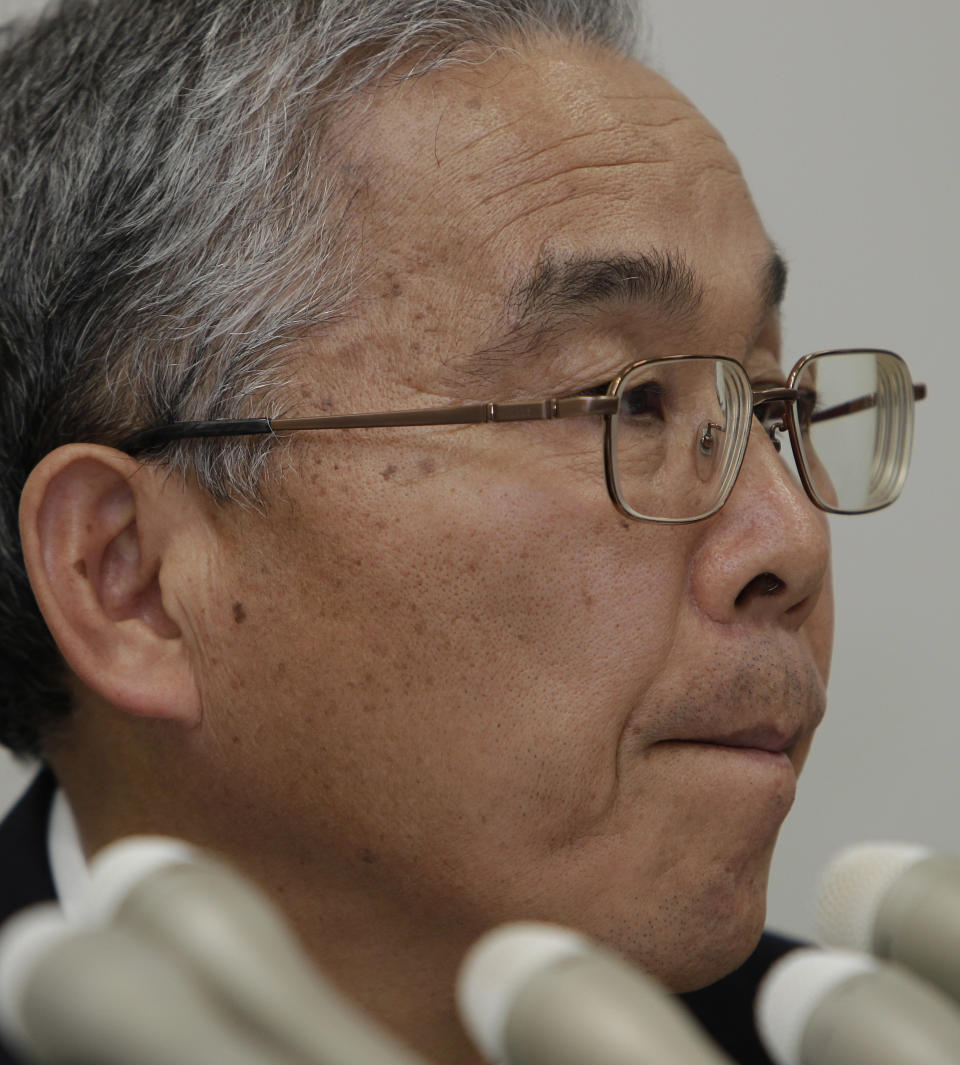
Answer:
(820, 628)
(473, 652)
(506, 571)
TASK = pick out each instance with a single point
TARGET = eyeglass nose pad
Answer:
(772, 431)
(706, 441)
(710, 450)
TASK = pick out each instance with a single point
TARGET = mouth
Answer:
(766, 742)
(757, 714)
(766, 739)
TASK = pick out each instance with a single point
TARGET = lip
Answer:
(767, 738)
(769, 711)
(766, 742)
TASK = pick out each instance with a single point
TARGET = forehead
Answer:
(474, 174)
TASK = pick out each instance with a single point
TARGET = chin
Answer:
(720, 957)
(698, 929)
(715, 937)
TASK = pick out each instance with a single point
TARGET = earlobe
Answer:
(95, 563)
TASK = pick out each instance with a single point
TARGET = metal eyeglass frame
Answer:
(145, 441)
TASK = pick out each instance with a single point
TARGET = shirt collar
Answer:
(67, 862)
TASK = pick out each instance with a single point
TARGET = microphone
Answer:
(897, 901)
(537, 994)
(825, 1007)
(224, 931)
(103, 998)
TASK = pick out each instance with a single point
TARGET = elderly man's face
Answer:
(444, 664)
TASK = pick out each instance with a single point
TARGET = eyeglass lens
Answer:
(855, 427)
(683, 424)
(677, 440)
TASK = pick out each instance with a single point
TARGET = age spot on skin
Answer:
(81, 567)
(387, 473)
(239, 614)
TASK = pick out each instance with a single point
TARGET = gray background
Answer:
(843, 113)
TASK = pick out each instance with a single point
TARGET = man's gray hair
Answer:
(171, 224)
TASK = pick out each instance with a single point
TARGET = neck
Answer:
(396, 961)
(398, 966)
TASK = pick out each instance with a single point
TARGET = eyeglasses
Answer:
(676, 429)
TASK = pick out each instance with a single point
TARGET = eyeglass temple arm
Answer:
(472, 413)
(772, 394)
(863, 403)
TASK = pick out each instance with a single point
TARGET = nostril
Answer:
(762, 585)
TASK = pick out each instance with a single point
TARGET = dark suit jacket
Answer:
(725, 1009)
(25, 876)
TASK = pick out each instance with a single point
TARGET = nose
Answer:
(765, 556)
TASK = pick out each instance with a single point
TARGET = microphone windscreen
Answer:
(821, 1007)
(534, 994)
(117, 869)
(102, 997)
(854, 886)
(25, 939)
(229, 935)
(495, 970)
(791, 991)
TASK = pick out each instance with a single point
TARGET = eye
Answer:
(594, 390)
(770, 413)
(643, 400)
(806, 405)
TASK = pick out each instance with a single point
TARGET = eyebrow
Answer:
(773, 280)
(557, 291)
(560, 288)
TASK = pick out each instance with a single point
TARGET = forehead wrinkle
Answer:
(559, 143)
(532, 183)
(479, 139)
(519, 159)
(581, 106)
(545, 205)
(703, 162)
(707, 131)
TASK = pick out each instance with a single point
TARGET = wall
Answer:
(843, 113)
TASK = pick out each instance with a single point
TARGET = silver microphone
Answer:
(102, 997)
(825, 1007)
(229, 935)
(897, 901)
(537, 994)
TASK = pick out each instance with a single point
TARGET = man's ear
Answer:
(93, 527)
